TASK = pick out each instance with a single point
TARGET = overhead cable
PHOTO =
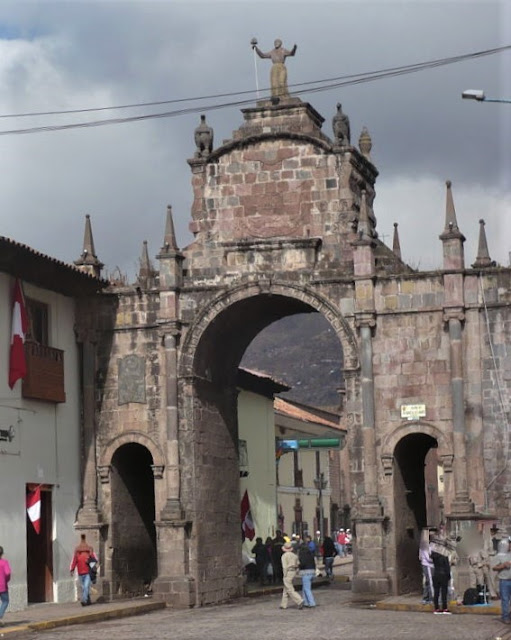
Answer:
(305, 88)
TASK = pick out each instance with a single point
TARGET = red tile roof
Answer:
(291, 410)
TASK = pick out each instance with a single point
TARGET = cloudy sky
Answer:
(57, 56)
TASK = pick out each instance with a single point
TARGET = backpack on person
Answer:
(93, 569)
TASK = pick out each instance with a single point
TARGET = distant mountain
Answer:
(304, 352)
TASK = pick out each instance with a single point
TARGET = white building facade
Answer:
(40, 425)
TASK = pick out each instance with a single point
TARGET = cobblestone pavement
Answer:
(338, 616)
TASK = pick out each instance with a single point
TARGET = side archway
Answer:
(445, 448)
(130, 500)
(413, 456)
(131, 437)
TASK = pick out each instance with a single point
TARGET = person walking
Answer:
(441, 574)
(329, 553)
(289, 569)
(341, 543)
(261, 557)
(276, 556)
(269, 570)
(503, 566)
(427, 568)
(5, 576)
(307, 565)
(82, 555)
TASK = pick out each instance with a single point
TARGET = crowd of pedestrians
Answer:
(280, 559)
(266, 565)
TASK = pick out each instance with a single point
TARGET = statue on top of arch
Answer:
(278, 74)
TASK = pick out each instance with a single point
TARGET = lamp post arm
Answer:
(497, 100)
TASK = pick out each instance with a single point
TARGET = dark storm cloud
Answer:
(105, 53)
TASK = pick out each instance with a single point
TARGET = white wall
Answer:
(308, 494)
(256, 425)
(45, 450)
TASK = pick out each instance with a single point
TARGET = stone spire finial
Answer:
(146, 272)
(452, 237)
(450, 212)
(171, 259)
(365, 143)
(364, 229)
(396, 246)
(451, 224)
(169, 240)
(88, 260)
(483, 255)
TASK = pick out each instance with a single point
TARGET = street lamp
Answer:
(321, 483)
(478, 94)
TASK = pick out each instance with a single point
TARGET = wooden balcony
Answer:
(45, 373)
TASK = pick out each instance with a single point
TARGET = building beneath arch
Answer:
(283, 222)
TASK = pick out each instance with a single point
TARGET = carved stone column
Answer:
(461, 504)
(89, 520)
(370, 504)
(88, 514)
(172, 509)
(174, 583)
(369, 574)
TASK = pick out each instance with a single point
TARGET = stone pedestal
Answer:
(369, 575)
(462, 524)
(174, 584)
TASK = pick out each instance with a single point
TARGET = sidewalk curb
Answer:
(82, 618)
(428, 608)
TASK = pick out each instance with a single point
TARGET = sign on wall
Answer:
(413, 411)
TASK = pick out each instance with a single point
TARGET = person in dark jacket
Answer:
(329, 553)
(261, 557)
(307, 571)
(276, 556)
(441, 574)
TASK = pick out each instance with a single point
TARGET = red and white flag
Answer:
(17, 362)
(247, 524)
(34, 508)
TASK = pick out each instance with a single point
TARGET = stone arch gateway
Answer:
(283, 223)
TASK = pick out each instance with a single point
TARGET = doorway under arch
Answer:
(416, 503)
(134, 559)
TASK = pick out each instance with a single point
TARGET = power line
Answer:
(404, 68)
(306, 87)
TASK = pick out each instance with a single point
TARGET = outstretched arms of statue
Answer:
(260, 53)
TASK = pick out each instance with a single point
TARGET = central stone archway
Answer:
(211, 353)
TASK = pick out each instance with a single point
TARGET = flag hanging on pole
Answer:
(247, 524)
(34, 508)
(17, 362)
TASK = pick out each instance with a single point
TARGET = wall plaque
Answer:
(131, 379)
(413, 411)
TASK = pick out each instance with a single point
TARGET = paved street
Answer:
(260, 618)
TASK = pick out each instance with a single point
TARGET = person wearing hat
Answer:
(289, 570)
